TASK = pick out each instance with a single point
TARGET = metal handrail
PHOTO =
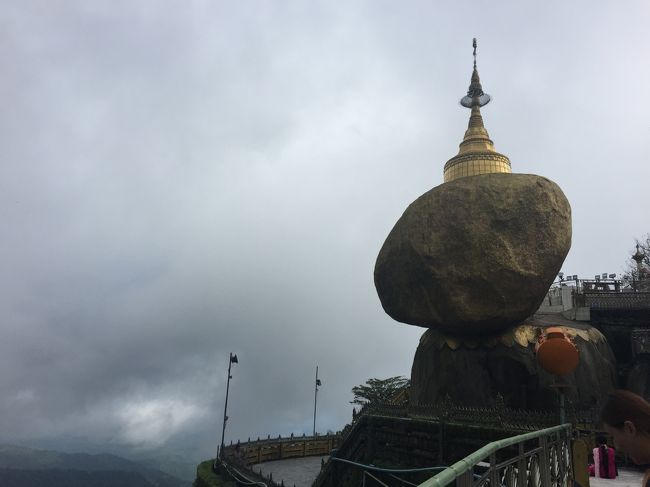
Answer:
(463, 466)
(238, 476)
(386, 470)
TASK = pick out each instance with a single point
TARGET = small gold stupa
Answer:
(476, 154)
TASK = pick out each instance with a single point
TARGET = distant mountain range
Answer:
(26, 467)
(178, 459)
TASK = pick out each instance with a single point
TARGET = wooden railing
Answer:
(270, 449)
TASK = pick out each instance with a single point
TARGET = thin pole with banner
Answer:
(318, 383)
(233, 360)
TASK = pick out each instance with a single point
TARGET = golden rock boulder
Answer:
(476, 255)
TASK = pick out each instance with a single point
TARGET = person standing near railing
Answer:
(604, 462)
(626, 417)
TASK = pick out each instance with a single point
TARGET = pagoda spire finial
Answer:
(476, 154)
(475, 95)
(474, 46)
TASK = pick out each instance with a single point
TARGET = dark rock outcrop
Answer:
(473, 372)
(475, 255)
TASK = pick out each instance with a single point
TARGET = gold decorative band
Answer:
(473, 164)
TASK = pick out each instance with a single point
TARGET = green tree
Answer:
(378, 391)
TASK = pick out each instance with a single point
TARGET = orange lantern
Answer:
(556, 353)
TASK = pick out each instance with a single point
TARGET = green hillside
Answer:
(205, 477)
(10, 477)
(26, 466)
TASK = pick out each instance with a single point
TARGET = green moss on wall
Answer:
(205, 477)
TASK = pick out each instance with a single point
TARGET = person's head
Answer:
(601, 440)
(626, 417)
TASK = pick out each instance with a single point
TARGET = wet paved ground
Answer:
(303, 471)
(298, 471)
(626, 478)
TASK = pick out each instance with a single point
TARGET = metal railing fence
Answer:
(538, 459)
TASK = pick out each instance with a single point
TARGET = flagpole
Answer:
(225, 407)
(315, 399)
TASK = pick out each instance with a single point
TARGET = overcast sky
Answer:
(182, 179)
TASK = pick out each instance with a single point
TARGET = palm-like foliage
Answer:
(378, 391)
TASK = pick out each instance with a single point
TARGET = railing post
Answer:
(569, 465)
(544, 466)
(466, 479)
(521, 466)
(334, 470)
(441, 441)
(494, 473)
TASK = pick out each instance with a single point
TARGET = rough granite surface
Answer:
(475, 255)
(473, 372)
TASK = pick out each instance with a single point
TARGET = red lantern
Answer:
(556, 353)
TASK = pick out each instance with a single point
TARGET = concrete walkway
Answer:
(300, 472)
(626, 478)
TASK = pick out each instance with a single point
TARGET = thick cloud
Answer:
(182, 180)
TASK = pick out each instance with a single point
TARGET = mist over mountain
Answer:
(71, 478)
(178, 459)
(25, 467)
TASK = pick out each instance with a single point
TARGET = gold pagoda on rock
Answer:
(476, 154)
